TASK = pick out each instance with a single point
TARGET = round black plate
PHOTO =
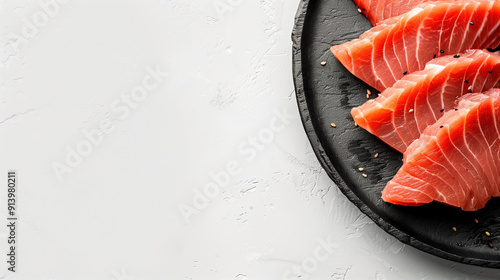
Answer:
(326, 95)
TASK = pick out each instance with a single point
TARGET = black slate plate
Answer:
(326, 94)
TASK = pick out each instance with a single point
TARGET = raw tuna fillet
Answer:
(402, 112)
(455, 161)
(379, 10)
(404, 44)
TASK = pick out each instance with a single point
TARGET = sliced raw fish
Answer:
(379, 10)
(456, 161)
(402, 112)
(404, 44)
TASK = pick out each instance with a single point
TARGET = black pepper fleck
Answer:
(435, 56)
(441, 126)
(490, 72)
(456, 56)
(441, 51)
(456, 109)
(442, 110)
(471, 23)
(405, 72)
(466, 81)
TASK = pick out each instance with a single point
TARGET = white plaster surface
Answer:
(224, 80)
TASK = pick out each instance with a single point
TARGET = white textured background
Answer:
(207, 174)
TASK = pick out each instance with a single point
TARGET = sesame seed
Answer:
(367, 96)
(476, 221)
(411, 110)
(441, 51)
(471, 23)
(361, 169)
(466, 81)
(359, 10)
(442, 110)
(364, 175)
(441, 126)
(470, 88)
(456, 56)
(487, 233)
(454, 228)
(490, 72)
(369, 92)
(355, 124)
(435, 56)
(333, 125)
(490, 244)
(323, 63)
(376, 155)
(405, 72)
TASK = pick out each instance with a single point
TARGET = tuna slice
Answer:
(402, 112)
(404, 44)
(379, 10)
(455, 161)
